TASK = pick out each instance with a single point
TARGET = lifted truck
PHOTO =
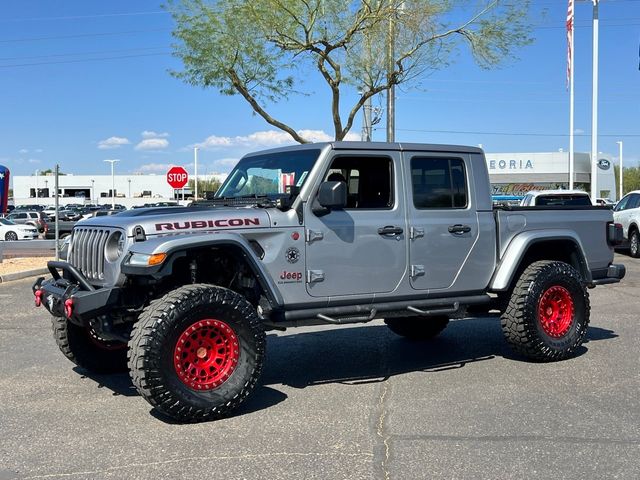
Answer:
(333, 233)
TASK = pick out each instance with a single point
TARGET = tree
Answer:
(210, 185)
(261, 49)
(630, 178)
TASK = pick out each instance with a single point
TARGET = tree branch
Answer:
(242, 90)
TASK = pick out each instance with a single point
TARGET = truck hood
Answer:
(173, 220)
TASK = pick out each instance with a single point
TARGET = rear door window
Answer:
(438, 183)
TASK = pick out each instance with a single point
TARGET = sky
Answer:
(82, 82)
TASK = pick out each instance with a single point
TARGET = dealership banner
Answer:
(4, 188)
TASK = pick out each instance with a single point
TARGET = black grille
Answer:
(87, 251)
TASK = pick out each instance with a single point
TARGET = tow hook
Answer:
(68, 307)
(38, 295)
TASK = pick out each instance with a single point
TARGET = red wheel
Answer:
(548, 313)
(197, 353)
(555, 311)
(206, 354)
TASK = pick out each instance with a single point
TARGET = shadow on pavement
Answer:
(360, 355)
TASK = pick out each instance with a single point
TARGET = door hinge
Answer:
(415, 232)
(315, 276)
(313, 235)
(417, 270)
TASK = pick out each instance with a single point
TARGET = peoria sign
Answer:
(510, 165)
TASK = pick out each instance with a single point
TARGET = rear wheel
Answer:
(634, 244)
(197, 353)
(11, 236)
(416, 328)
(548, 312)
(86, 349)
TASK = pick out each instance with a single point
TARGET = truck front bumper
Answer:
(70, 295)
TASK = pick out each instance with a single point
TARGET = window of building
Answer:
(438, 182)
(369, 180)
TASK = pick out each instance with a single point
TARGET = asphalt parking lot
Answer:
(341, 403)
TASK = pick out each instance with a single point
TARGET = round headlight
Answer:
(114, 248)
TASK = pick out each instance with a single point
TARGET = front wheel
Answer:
(86, 349)
(11, 236)
(548, 312)
(197, 353)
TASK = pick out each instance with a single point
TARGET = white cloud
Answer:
(38, 150)
(225, 164)
(33, 160)
(22, 151)
(154, 168)
(152, 134)
(113, 142)
(267, 138)
(152, 144)
(578, 131)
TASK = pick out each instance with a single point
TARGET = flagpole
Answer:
(571, 101)
(594, 124)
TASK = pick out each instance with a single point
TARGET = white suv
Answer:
(627, 213)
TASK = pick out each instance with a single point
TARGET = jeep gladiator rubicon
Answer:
(332, 233)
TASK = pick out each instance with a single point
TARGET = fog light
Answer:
(68, 307)
(38, 294)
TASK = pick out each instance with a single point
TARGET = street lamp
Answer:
(113, 184)
(129, 180)
(37, 172)
(620, 174)
(93, 191)
(195, 161)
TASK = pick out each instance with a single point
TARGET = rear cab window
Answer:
(438, 183)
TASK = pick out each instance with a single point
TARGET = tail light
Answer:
(614, 234)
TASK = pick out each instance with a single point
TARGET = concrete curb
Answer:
(9, 277)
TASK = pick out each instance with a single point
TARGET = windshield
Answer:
(4, 221)
(269, 174)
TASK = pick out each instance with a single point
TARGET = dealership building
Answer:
(510, 174)
(518, 173)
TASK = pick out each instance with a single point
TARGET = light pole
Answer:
(37, 172)
(93, 182)
(129, 180)
(620, 174)
(113, 183)
(195, 162)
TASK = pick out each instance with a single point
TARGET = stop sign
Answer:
(177, 177)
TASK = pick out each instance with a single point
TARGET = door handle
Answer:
(457, 229)
(390, 230)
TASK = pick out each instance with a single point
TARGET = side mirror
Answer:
(331, 196)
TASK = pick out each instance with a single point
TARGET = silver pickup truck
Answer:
(333, 233)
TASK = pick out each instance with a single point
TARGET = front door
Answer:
(363, 248)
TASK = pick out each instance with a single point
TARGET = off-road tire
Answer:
(11, 236)
(416, 328)
(166, 322)
(84, 348)
(533, 311)
(634, 244)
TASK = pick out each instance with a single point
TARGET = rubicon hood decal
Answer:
(219, 223)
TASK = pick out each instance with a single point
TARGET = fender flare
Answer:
(520, 245)
(177, 246)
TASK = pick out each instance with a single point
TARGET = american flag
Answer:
(569, 40)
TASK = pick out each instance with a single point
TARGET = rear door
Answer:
(443, 222)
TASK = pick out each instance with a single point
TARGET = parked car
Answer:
(10, 231)
(627, 213)
(574, 198)
(34, 218)
(605, 202)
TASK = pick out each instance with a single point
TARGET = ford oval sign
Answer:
(604, 164)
